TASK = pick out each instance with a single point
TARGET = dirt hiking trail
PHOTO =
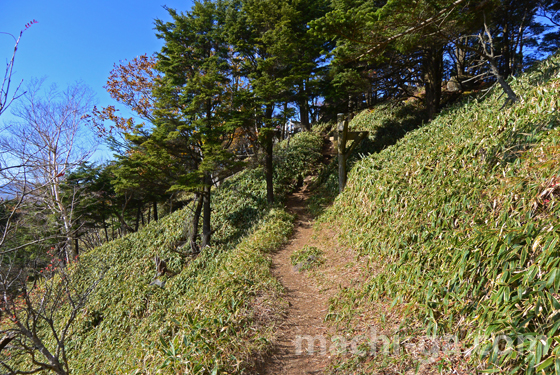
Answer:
(307, 306)
(307, 293)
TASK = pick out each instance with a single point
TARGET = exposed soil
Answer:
(306, 293)
(307, 305)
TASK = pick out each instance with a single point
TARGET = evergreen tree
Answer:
(257, 35)
(193, 115)
(370, 32)
(305, 54)
(282, 62)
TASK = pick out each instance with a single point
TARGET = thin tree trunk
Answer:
(505, 86)
(106, 231)
(105, 223)
(433, 74)
(283, 136)
(206, 223)
(125, 228)
(66, 217)
(194, 225)
(303, 107)
(518, 56)
(137, 224)
(269, 167)
(506, 48)
(460, 56)
(155, 211)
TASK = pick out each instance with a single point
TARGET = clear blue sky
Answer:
(80, 40)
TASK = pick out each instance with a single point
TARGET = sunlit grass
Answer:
(461, 217)
(217, 313)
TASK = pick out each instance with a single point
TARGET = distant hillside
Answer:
(460, 221)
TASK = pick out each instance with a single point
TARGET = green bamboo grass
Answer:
(217, 314)
(462, 218)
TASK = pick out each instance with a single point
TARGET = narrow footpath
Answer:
(307, 305)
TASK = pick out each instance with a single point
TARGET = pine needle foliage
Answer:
(462, 218)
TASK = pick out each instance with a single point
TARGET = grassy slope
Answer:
(386, 123)
(462, 218)
(218, 312)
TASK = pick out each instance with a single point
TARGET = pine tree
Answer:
(193, 115)
(282, 61)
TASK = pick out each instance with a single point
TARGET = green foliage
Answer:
(299, 158)
(367, 29)
(218, 309)
(462, 219)
(193, 98)
(308, 257)
(386, 124)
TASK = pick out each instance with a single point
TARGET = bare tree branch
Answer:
(38, 316)
(48, 141)
(6, 98)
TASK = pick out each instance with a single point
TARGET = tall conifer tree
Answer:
(193, 107)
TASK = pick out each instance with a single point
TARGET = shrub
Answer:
(307, 258)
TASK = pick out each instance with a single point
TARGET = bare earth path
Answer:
(307, 305)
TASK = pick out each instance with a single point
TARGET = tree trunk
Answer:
(194, 225)
(137, 224)
(106, 231)
(269, 146)
(304, 107)
(506, 49)
(124, 226)
(285, 120)
(505, 86)
(54, 362)
(206, 223)
(66, 216)
(105, 223)
(342, 135)
(155, 211)
(433, 74)
(460, 56)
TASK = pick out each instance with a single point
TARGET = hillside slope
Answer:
(461, 221)
(217, 313)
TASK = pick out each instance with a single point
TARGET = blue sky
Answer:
(80, 40)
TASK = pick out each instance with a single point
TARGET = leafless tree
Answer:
(49, 138)
(38, 309)
(7, 96)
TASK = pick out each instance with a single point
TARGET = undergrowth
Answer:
(307, 257)
(217, 313)
(386, 124)
(461, 218)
